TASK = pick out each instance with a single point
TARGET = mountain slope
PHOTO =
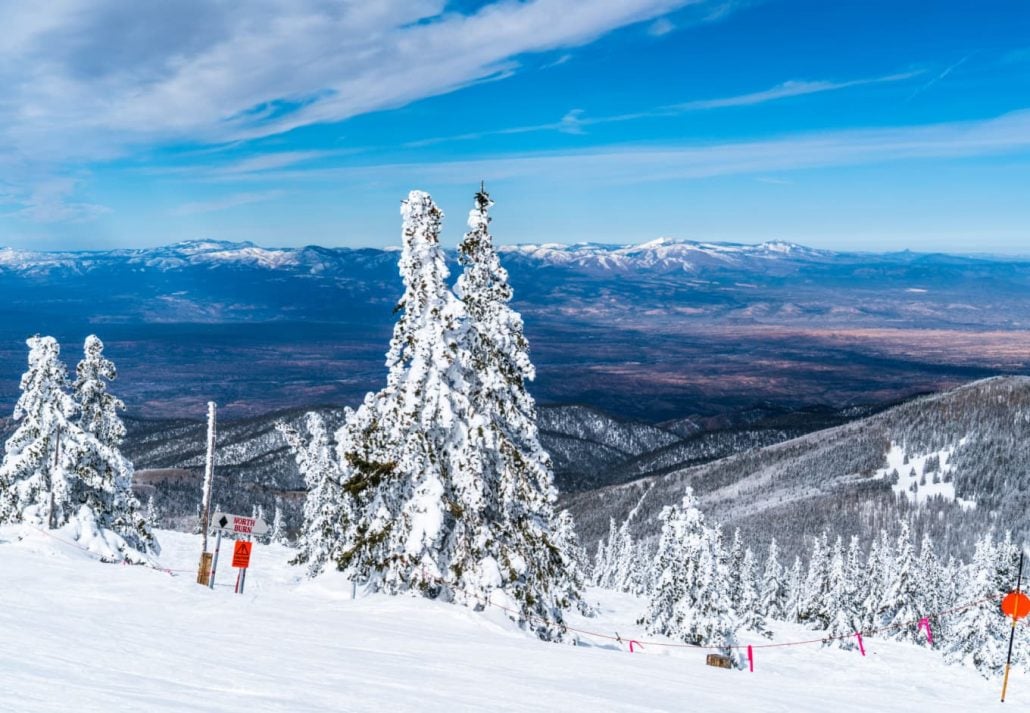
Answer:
(961, 458)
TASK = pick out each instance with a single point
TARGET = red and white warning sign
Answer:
(241, 554)
(239, 524)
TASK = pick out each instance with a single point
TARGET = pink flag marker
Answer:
(634, 641)
(861, 647)
(750, 659)
(924, 623)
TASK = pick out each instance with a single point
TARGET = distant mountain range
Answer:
(668, 329)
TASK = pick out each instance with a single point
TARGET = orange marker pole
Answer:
(1012, 634)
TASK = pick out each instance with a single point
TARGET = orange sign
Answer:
(241, 554)
(1015, 604)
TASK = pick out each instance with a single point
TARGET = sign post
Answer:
(203, 572)
(214, 562)
(241, 560)
(239, 525)
(1016, 605)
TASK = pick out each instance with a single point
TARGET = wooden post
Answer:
(205, 513)
(1012, 634)
(204, 570)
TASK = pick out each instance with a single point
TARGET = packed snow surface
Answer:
(86, 636)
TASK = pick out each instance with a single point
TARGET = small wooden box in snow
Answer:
(719, 661)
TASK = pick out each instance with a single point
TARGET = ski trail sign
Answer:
(238, 524)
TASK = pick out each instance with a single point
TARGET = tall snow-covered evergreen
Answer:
(37, 476)
(903, 598)
(774, 594)
(516, 477)
(814, 598)
(841, 604)
(277, 533)
(104, 473)
(326, 506)
(749, 605)
(573, 555)
(401, 449)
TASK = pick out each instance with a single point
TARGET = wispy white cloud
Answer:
(52, 200)
(574, 122)
(89, 78)
(660, 27)
(786, 90)
(225, 202)
(1006, 134)
(94, 80)
(939, 77)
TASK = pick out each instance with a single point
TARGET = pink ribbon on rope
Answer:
(634, 641)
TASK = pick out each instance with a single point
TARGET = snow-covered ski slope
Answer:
(76, 634)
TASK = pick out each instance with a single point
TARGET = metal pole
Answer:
(243, 572)
(209, 471)
(51, 515)
(1012, 634)
(214, 563)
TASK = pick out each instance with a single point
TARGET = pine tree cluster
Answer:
(63, 464)
(702, 592)
(437, 484)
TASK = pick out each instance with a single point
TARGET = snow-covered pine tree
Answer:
(979, 636)
(104, 474)
(935, 590)
(691, 595)
(326, 506)
(817, 582)
(507, 491)
(840, 602)
(733, 559)
(641, 576)
(152, 513)
(405, 454)
(682, 530)
(607, 557)
(795, 592)
(599, 563)
(37, 483)
(774, 588)
(277, 534)
(878, 573)
(574, 556)
(749, 605)
(902, 604)
(707, 614)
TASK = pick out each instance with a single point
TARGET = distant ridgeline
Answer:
(651, 332)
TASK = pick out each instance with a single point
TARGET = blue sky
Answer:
(858, 124)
